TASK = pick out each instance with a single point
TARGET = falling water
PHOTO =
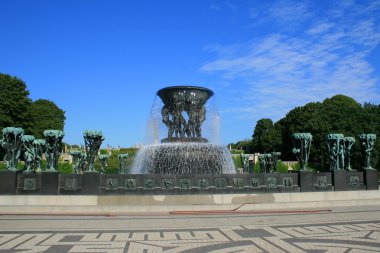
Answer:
(184, 156)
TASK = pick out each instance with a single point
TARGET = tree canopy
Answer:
(46, 115)
(265, 136)
(18, 110)
(14, 103)
(338, 114)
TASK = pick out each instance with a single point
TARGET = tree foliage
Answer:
(338, 114)
(265, 136)
(14, 103)
(46, 115)
(18, 110)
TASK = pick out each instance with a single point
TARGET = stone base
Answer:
(49, 183)
(28, 183)
(306, 181)
(340, 180)
(70, 184)
(355, 181)
(348, 180)
(8, 182)
(91, 183)
(371, 179)
(322, 181)
(111, 184)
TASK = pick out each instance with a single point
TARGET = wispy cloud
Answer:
(290, 12)
(326, 57)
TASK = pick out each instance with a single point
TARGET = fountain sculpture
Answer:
(367, 143)
(93, 140)
(11, 142)
(302, 145)
(122, 162)
(184, 150)
(335, 147)
(103, 158)
(39, 148)
(79, 161)
(29, 152)
(53, 145)
(348, 142)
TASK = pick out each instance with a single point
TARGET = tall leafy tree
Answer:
(266, 136)
(338, 114)
(14, 103)
(46, 115)
(18, 110)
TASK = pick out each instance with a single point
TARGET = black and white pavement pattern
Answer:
(341, 230)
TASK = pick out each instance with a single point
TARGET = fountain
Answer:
(184, 150)
(182, 157)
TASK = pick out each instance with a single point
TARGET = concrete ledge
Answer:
(124, 204)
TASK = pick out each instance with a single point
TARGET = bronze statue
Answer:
(53, 145)
(348, 142)
(79, 161)
(122, 163)
(103, 162)
(302, 145)
(184, 112)
(29, 152)
(335, 146)
(11, 142)
(92, 140)
(39, 149)
(367, 143)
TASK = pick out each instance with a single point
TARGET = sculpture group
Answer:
(268, 162)
(339, 150)
(184, 112)
(19, 146)
(31, 150)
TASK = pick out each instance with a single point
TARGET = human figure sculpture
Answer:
(245, 160)
(103, 162)
(92, 140)
(122, 163)
(275, 156)
(184, 112)
(335, 146)
(29, 153)
(178, 120)
(53, 140)
(367, 143)
(348, 143)
(39, 149)
(11, 142)
(165, 113)
(201, 117)
(265, 163)
(302, 145)
(262, 162)
(79, 161)
(192, 122)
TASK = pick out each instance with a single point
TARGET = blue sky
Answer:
(103, 61)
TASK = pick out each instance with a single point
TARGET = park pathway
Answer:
(353, 229)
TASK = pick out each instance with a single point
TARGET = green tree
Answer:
(338, 114)
(266, 137)
(14, 103)
(46, 115)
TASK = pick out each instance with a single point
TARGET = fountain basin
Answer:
(183, 158)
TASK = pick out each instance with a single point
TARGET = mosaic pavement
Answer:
(343, 237)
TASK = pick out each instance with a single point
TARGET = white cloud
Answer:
(291, 12)
(282, 71)
(214, 7)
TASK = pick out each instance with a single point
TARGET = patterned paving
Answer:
(353, 237)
